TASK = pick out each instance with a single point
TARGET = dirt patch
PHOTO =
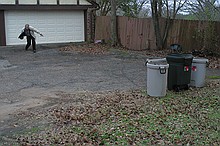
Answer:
(33, 97)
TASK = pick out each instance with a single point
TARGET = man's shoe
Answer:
(34, 51)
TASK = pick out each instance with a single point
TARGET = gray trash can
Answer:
(198, 72)
(157, 71)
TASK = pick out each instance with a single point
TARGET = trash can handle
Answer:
(162, 70)
(207, 64)
(146, 62)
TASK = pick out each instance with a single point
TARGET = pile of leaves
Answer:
(94, 49)
(214, 62)
(103, 49)
(132, 118)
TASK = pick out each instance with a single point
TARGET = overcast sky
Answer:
(182, 11)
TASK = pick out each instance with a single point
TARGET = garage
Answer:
(57, 27)
(58, 20)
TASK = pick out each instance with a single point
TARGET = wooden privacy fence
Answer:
(138, 33)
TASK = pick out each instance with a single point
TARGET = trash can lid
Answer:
(176, 55)
(179, 57)
(200, 60)
(157, 65)
(156, 60)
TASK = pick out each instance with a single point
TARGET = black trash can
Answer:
(179, 72)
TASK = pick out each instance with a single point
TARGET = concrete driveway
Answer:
(25, 76)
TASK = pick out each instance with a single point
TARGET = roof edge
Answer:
(96, 5)
(57, 6)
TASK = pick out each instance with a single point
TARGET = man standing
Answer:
(29, 31)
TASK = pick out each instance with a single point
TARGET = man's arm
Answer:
(35, 30)
(22, 30)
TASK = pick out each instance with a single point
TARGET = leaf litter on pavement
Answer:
(103, 49)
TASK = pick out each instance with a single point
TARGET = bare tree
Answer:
(168, 10)
(114, 38)
(105, 7)
(156, 15)
(130, 8)
(204, 9)
(207, 10)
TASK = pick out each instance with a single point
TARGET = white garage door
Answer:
(56, 26)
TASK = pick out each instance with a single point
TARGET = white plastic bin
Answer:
(198, 72)
(157, 77)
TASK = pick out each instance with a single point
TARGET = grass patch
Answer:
(214, 77)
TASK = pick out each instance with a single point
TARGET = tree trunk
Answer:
(114, 38)
(156, 18)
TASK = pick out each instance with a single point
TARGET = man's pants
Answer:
(29, 39)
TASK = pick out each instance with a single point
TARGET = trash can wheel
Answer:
(186, 87)
(177, 88)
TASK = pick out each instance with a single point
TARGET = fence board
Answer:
(103, 29)
(138, 33)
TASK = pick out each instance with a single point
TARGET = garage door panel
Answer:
(60, 29)
(50, 38)
(57, 27)
(60, 38)
(70, 37)
(41, 21)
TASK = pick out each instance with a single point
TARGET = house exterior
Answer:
(60, 21)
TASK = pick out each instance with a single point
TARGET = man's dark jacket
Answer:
(21, 36)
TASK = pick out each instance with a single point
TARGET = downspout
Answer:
(2, 28)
